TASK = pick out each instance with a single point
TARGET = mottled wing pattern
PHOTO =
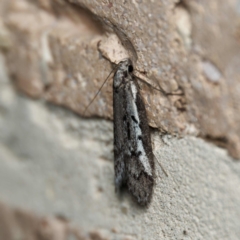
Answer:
(120, 137)
(140, 167)
(133, 156)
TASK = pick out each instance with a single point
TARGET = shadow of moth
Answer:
(133, 155)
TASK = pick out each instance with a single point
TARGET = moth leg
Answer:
(165, 172)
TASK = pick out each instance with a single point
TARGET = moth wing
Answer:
(120, 137)
(140, 163)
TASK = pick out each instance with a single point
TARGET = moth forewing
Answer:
(133, 156)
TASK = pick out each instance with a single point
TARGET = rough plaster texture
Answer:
(55, 163)
(57, 50)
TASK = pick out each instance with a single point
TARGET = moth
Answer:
(133, 155)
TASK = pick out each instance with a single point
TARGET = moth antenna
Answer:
(159, 89)
(99, 90)
(161, 166)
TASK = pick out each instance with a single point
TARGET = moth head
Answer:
(126, 65)
(123, 73)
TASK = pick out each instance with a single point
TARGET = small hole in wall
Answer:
(183, 4)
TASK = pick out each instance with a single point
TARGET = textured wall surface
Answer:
(56, 165)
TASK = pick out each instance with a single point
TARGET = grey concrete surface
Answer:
(56, 163)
